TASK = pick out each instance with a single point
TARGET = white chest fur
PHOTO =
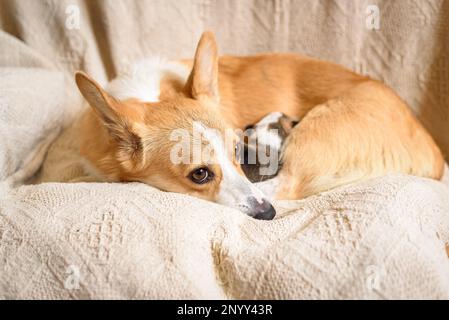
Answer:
(142, 80)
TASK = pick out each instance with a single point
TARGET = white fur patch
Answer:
(270, 118)
(269, 137)
(142, 80)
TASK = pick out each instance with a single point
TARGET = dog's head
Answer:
(178, 144)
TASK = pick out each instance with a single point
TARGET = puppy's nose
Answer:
(261, 210)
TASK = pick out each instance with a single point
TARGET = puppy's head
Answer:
(263, 139)
(179, 144)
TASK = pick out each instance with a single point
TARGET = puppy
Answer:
(149, 124)
(262, 139)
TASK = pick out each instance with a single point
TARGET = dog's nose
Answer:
(262, 210)
(267, 214)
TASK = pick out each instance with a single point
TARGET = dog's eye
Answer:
(201, 175)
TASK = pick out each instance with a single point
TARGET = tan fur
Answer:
(352, 128)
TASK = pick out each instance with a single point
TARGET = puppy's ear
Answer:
(203, 80)
(104, 105)
(110, 112)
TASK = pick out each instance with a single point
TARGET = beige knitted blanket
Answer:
(62, 238)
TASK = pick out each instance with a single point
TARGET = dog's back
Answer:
(352, 127)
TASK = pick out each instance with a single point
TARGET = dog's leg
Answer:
(366, 132)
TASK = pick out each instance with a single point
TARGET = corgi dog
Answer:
(351, 127)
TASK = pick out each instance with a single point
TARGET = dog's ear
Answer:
(104, 105)
(203, 80)
(110, 112)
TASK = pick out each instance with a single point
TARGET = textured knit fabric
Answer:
(381, 239)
